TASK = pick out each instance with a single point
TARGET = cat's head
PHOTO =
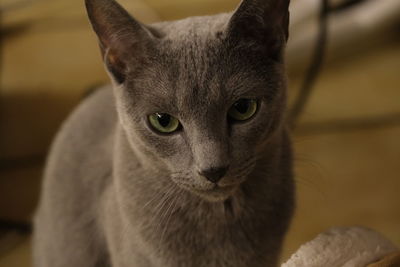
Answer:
(199, 97)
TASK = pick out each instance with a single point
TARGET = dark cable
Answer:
(6, 224)
(22, 162)
(21, 227)
(314, 68)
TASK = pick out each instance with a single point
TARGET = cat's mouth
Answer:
(214, 193)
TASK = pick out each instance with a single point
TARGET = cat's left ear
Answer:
(263, 22)
(123, 40)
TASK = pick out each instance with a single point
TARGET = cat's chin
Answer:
(215, 194)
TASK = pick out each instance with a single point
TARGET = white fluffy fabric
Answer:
(342, 247)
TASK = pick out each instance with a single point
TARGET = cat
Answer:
(185, 161)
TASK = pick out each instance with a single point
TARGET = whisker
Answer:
(156, 196)
(163, 199)
(160, 215)
(169, 210)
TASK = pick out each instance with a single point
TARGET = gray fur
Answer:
(118, 194)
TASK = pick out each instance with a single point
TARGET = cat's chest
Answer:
(189, 233)
(211, 242)
(224, 249)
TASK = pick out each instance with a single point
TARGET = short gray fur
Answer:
(116, 193)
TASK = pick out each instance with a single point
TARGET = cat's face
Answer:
(199, 97)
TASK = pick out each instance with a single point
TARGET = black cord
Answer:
(22, 162)
(7, 224)
(314, 68)
(21, 227)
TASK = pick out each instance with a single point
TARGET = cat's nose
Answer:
(214, 174)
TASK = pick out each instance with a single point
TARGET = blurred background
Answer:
(347, 140)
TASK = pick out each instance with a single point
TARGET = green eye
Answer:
(243, 109)
(163, 122)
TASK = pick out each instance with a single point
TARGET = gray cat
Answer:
(186, 161)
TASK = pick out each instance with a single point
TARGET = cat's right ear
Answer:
(122, 39)
(261, 22)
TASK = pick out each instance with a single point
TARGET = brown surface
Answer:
(392, 260)
(344, 176)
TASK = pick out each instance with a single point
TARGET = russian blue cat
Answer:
(185, 161)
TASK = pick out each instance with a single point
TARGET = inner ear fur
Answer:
(122, 39)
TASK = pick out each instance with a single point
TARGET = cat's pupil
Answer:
(164, 119)
(242, 105)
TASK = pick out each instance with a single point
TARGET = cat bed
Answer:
(346, 247)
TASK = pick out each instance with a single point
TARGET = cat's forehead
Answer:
(193, 43)
(195, 69)
(190, 74)
(192, 28)
(188, 57)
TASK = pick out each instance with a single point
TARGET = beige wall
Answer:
(345, 176)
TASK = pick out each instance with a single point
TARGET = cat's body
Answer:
(116, 194)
